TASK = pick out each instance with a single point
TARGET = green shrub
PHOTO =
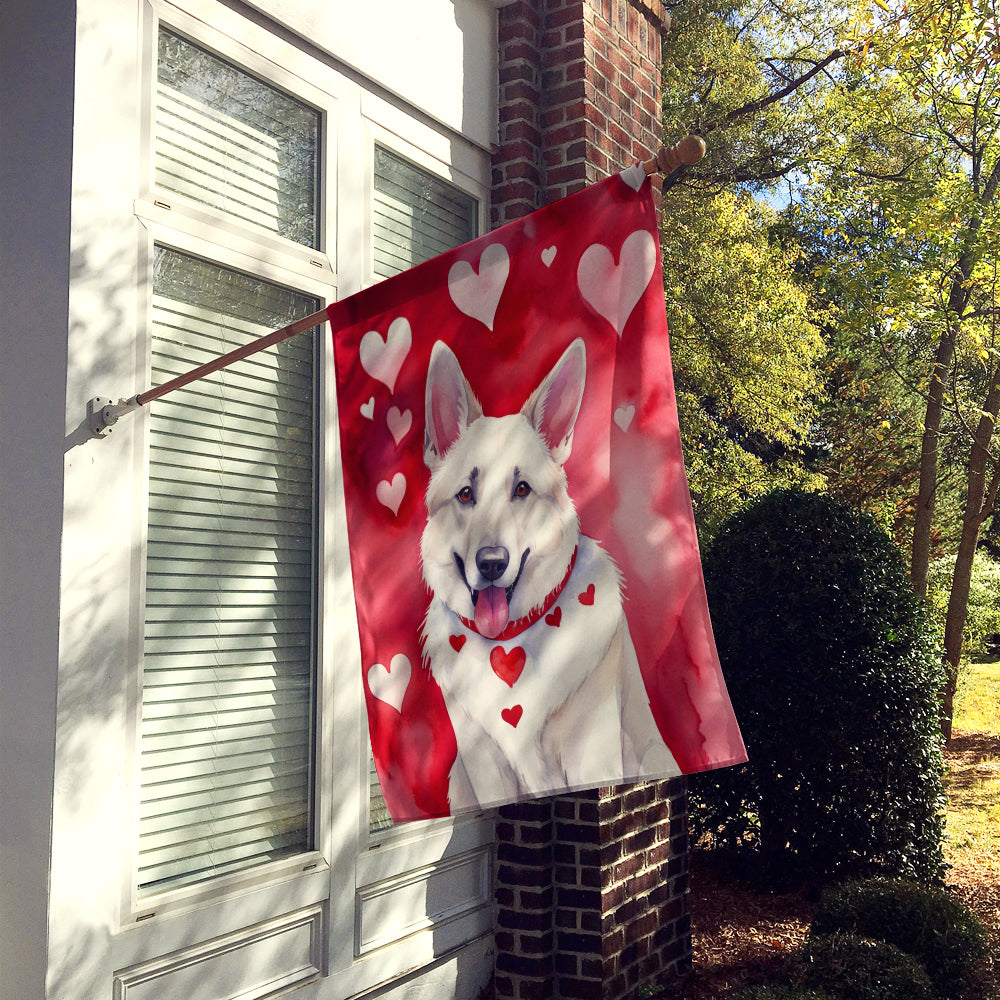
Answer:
(856, 968)
(833, 673)
(926, 922)
(982, 620)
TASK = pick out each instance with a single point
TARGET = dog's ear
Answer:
(554, 406)
(449, 404)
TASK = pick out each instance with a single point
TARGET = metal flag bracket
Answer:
(103, 413)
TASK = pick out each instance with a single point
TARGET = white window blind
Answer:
(228, 140)
(416, 216)
(228, 686)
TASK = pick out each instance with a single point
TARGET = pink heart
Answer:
(368, 409)
(478, 295)
(549, 255)
(398, 422)
(624, 416)
(389, 683)
(382, 359)
(613, 290)
(512, 716)
(391, 494)
(634, 176)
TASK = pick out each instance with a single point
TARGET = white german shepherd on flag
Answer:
(525, 634)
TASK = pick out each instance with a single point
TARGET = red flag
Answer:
(529, 593)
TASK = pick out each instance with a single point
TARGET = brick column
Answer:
(591, 889)
(579, 96)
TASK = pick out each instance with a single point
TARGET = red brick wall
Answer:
(591, 889)
(591, 893)
(579, 96)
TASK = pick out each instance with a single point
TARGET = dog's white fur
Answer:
(498, 487)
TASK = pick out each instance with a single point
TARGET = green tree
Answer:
(867, 432)
(912, 189)
(748, 356)
(747, 76)
(880, 123)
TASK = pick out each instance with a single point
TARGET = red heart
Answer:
(457, 642)
(512, 716)
(554, 618)
(507, 666)
(587, 597)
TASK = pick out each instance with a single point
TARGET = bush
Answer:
(856, 968)
(833, 673)
(927, 923)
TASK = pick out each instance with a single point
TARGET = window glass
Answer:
(416, 215)
(233, 142)
(228, 680)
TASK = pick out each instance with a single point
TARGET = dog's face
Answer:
(501, 527)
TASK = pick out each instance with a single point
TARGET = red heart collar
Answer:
(517, 626)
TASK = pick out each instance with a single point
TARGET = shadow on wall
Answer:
(93, 710)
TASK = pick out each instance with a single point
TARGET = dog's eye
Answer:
(465, 495)
(522, 489)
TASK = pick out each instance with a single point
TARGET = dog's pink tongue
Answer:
(492, 612)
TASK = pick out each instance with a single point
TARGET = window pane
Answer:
(228, 140)
(416, 216)
(228, 657)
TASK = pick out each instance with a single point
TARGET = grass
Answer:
(973, 808)
(978, 698)
(973, 782)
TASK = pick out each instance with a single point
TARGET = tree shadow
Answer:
(978, 746)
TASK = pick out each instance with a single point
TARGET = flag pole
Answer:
(103, 413)
(687, 152)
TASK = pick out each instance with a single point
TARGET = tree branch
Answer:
(753, 107)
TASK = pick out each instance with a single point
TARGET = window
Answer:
(229, 646)
(416, 215)
(227, 140)
(228, 678)
(273, 184)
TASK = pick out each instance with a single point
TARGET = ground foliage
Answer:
(744, 930)
(926, 922)
(858, 968)
(833, 674)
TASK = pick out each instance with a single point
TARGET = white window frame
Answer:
(180, 224)
(350, 874)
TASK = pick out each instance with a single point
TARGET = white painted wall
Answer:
(72, 294)
(435, 54)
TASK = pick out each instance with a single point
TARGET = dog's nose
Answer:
(491, 561)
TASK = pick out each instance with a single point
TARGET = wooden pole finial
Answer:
(668, 158)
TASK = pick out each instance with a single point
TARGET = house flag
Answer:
(530, 602)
